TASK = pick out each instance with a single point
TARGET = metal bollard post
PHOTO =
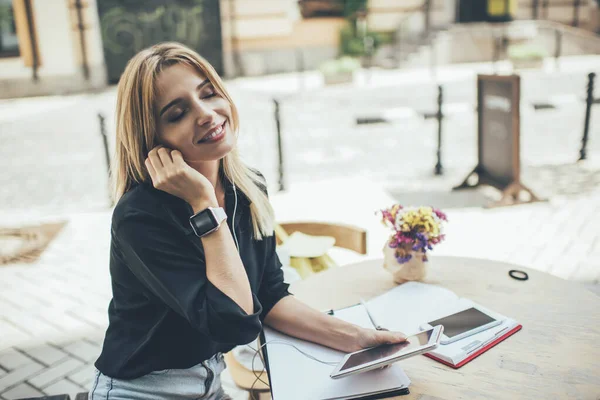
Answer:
(427, 17)
(102, 121)
(558, 38)
(496, 54)
(433, 59)
(439, 170)
(576, 5)
(281, 179)
(369, 44)
(588, 109)
(399, 46)
(300, 68)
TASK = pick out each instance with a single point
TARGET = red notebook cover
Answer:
(478, 352)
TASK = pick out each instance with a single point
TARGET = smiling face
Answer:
(191, 116)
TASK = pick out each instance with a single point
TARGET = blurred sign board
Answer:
(485, 10)
(501, 10)
(129, 26)
(498, 136)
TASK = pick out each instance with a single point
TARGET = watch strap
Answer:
(219, 212)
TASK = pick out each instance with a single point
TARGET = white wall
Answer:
(61, 66)
(60, 69)
(54, 34)
(13, 67)
(54, 43)
(246, 8)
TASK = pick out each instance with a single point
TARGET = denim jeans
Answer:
(202, 381)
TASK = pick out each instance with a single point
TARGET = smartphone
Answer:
(462, 324)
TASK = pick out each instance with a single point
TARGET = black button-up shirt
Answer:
(165, 313)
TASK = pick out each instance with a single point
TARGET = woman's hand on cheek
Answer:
(170, 173)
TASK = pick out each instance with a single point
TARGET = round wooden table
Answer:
(555, 356)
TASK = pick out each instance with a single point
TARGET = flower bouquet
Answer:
(414, 232)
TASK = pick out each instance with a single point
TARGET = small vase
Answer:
(414, 269)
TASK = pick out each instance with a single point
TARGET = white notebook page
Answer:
(406, 307)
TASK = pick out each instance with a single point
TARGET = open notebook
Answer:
(415, 303)
(293, 376)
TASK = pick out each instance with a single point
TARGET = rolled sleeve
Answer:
(272, 287)
(174, 270)
(228, 321)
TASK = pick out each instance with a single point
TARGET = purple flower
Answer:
(421, 242)
(404, 259)
(440, 215)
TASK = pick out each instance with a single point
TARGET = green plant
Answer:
(526, 52)
(339, 66)
(353, 45)
(351, 7)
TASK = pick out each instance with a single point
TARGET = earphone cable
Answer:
(258, 374)
(237, 245)
(258, 351)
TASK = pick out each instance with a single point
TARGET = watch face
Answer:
(204, 222)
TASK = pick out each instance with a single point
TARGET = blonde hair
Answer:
(136, 134)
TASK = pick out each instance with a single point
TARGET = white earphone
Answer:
(237, 245)
(257, 351)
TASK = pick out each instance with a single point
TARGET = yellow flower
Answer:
(425, 210)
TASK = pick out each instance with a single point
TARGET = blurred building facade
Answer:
(60, 46)
(270, 36)
(49, 47)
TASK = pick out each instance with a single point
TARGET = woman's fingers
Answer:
(150, 169)
(387, 337)
(160, 166)
(170, 173)
(155, 159)
(178, 158)
(371, 338)
(165, 157)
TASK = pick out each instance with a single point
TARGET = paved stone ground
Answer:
(53, 312)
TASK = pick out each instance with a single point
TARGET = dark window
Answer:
(9, 43)
(321, 8)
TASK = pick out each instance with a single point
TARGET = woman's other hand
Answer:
(370, 338)
(170, 173)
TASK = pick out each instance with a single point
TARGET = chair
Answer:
(310, 252)
(346, 236)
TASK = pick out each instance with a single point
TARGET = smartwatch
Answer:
(207, 220)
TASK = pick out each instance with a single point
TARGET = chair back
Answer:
(346, 236)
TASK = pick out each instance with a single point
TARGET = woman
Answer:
(193, 264)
